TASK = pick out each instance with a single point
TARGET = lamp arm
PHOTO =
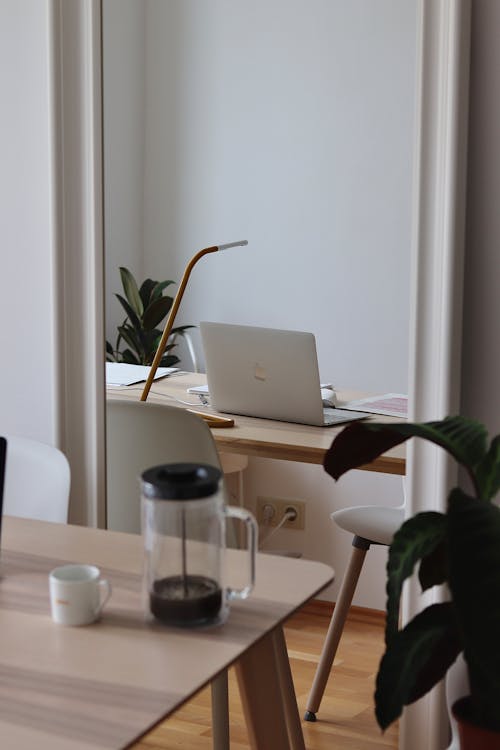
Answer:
(171, 317)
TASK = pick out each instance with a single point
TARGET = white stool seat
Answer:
(376, 524)
(369, 524)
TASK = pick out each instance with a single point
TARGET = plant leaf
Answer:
(130, 358)
(146, 290)
(130, 337)
(131, 314)
(131, 291)
(158, 289)
(433, 567)
(169, 360)
(415, 660)
(180, 329)
(361, 442)
(356, 445)
(415, 539)
(474, 553)
(155, 312)
(488, 471)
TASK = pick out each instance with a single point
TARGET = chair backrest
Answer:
(140, 435)
(37, 481)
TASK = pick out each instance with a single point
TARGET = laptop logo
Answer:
(260, 372)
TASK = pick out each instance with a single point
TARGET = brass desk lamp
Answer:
(170, 322)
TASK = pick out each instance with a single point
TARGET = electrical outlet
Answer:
(278, 506)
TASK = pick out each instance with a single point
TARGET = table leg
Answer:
(288, 691)
(268, 696)
(220, 712)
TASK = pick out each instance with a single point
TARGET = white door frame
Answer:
(437, 263)
(437, 286)
(75, 49)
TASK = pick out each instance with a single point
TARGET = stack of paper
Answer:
(119, 373)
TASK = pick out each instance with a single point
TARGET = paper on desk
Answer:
(388, 404)
(120, 373)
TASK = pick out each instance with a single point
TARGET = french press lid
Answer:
(180, 481)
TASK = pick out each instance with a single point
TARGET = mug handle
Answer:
(104, 594)
(231, 511)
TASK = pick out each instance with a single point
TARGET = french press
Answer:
(184, 529)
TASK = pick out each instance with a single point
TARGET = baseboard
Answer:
(324, 608)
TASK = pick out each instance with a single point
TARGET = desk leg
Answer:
(268, 696)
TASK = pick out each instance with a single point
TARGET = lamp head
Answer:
(232, 244)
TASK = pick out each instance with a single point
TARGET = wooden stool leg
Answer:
(288, 691)
(220, 712)
(261, 696)
(346, 593)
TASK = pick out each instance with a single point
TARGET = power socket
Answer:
(278, 507)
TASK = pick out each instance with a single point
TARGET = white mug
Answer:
(77, 594)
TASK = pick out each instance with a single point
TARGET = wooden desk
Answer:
(264, 437)
(105, 685)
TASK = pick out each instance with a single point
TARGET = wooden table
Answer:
(105, 685)
(264, 437)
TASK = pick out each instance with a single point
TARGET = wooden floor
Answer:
(345, 719)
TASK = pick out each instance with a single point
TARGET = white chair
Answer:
(369, 525)
(37, 481)
(139, 435)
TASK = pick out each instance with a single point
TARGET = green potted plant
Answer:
(459, 548)
(138, 336)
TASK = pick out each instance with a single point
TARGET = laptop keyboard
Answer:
(333, 416)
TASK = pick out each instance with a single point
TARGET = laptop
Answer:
(267, 373)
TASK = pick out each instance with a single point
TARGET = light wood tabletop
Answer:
(105, 685)
(263, 437)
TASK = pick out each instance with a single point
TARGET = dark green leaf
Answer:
(130, 358)
(109, 348)
(488, 471)
(474, 553)
(134, 320)
(155, 312)
(416, 659)
(169, 360)
(158, 289)
(145, 291)
(181, 329)
(362, 442)
(416, 538)
(433, 567)
(131, 291)
(356, 446)
(130, 337)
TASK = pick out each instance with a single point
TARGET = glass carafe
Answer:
(184, 530)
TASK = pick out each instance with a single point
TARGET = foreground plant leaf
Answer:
(415, 539)
(362, 442)
(474, 552)
(416, 659)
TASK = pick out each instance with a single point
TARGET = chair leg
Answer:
(220, 712)
(346, 593)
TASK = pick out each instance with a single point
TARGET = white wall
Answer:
(27, 290)
(265, 120)
(289, 124)
(481, 350)
(124, 108)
